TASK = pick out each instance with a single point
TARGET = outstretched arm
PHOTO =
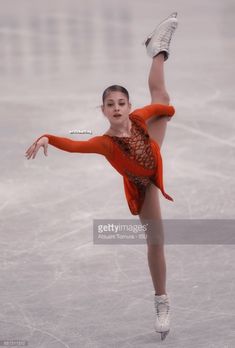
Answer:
(154, 110)
(96, 144)
(93, 145)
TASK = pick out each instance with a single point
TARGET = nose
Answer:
(116, 107)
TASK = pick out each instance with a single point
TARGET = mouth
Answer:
(117, 115)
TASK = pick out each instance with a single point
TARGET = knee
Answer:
(160, 97)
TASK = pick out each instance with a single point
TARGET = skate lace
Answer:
(166, 35)
(162, 308)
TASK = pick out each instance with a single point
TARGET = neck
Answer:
(122, 129)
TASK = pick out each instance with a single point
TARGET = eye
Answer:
(109, 104)
(122, 104)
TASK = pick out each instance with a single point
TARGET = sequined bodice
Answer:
(138, 148)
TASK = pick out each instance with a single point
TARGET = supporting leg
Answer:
(151, 207)
(156, 259)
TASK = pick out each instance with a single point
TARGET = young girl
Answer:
(132, 146)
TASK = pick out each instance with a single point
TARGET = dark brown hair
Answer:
(115, 88)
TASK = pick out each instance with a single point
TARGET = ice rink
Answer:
(58, 288)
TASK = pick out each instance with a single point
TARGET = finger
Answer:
(31, 152)
(35, 151)
(45, 149)
(30, 149)
(28, 153)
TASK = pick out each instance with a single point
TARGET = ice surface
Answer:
(58, 289)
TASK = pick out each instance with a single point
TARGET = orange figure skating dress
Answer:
(137, 158)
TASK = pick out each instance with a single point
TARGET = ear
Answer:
(130, 106)
(102, 108)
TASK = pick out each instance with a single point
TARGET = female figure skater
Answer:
(132, 146)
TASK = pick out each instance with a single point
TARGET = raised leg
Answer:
(151, 206)
(157, 126)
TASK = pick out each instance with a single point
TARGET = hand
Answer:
(33, 149)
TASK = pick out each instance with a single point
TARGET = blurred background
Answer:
(58, 289)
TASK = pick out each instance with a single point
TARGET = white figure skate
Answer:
(162, 323)
(159, 40)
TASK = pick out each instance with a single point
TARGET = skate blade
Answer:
(163, 334)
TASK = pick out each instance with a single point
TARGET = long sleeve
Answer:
(98, 144)
(151, 110)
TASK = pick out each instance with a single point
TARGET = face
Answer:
(116, 107)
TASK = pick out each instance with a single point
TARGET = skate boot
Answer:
(162, 323)
(159, 40)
